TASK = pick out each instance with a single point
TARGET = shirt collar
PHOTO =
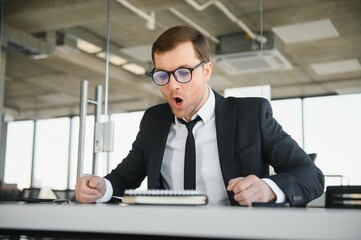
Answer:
(206, 112)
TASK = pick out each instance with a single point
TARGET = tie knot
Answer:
(190, 124)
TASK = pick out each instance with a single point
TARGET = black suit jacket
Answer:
(249, 140)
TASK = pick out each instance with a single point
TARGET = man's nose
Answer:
(173, 83)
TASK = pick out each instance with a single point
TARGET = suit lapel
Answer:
(225, 128)
(157, 151)
(226, 116)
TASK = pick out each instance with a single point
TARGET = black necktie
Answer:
(190, 156)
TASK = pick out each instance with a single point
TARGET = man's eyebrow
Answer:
(182, 66)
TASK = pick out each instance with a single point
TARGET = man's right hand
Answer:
(89, 188)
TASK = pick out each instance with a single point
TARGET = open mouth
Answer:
(178, 100)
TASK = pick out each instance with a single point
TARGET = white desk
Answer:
(196, 222)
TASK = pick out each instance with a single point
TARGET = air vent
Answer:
(250, 62)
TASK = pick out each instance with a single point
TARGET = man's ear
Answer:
(208, 70)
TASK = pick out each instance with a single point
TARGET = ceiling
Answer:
(44, 67)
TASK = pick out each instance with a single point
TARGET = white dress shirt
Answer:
(208, 172)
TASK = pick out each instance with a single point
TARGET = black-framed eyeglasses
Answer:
(181, 75)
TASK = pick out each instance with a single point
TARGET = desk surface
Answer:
(179, 221)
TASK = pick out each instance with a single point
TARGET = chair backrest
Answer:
(30, 193)
(313, 156)
(343, 197)
(8, 194)
(65, 194)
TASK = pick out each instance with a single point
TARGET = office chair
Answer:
(8, 194)
(343, 197)
(313, 156)
(65, 194)
(30, 193)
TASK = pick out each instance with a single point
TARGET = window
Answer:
(333, 131)
(51, 153)
(331, 126)
(289, 114)
(126, 127)
(19, 151)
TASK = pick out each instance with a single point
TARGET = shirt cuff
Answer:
(108, 192)
(281, 196)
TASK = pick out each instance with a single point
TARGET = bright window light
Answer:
(126, 127)
(322, 135)
(253, 91)
(288, 113)
(332, 130)
(51, 153)
(18, 163)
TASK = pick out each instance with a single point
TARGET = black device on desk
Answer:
(271, 205)
(343, 197)
(31, 195)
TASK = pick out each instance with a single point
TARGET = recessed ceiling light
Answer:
(307, 31)
(335, 67)
(114, 59)
(87, 46)
(134, 68)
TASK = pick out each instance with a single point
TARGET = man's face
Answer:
(185, 99)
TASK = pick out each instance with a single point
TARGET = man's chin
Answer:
(178, 113)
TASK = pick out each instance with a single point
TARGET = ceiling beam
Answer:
(28, 44)
(38, 16)
(141, 89)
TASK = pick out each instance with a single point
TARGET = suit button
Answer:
(297, 198)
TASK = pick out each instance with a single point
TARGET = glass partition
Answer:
(300, 49)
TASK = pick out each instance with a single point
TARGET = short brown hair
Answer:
(174, 36)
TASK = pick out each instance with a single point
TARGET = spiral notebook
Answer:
(164, 197)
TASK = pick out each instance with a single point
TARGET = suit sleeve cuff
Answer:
(108, 192)
(281, 196)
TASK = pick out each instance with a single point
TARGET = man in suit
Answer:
(236, 139)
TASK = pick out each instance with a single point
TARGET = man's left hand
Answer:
(250, 189)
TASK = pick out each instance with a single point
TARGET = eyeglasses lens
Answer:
(183, 75)
(161, 77)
